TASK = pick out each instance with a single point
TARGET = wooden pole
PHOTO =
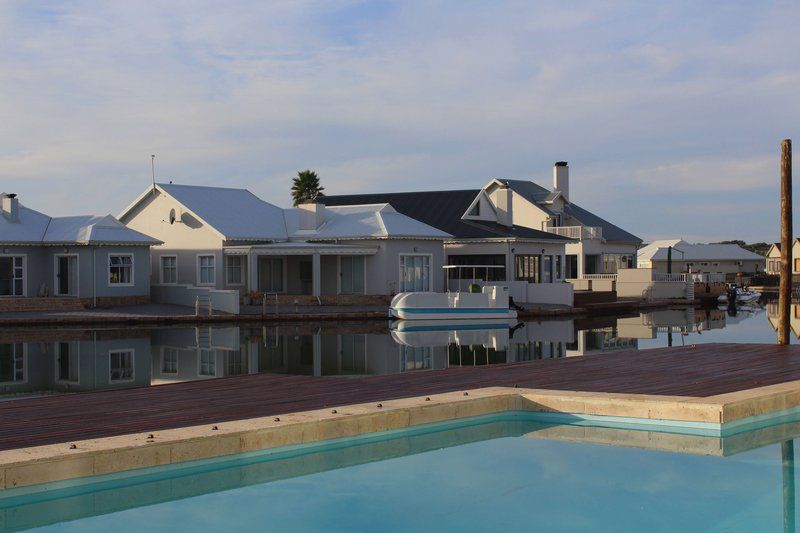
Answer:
(785, 290)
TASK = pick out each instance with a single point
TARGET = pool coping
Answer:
(713, 416)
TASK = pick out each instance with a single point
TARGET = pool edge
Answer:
(43, 464)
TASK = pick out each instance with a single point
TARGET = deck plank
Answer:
(702, 370)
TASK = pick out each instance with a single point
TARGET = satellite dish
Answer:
(172, 216)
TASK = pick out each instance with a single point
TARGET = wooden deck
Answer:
(704, 370)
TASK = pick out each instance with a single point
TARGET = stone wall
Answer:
(49, 303)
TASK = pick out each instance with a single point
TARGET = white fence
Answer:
(537, 293)
(669, 277)
(577, 232)
(225, 301)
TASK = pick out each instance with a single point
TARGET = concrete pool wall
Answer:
(709, 417)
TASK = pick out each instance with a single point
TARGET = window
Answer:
(120, 365)
(351, 274)
(476, 209)
(477, 273)
(12, 363)
(205, 270)
(169, 360)
(12, 275)
(169, 269)
(208, 363)
(120, 269)
(527, 268)
(415, 273)
(234, 267)
(558, 267)
(796, 265)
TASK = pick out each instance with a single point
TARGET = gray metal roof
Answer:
(36, 228)
(443, 210)
(537, 194)
(237, 214)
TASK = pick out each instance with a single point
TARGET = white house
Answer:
(699, 258)
(94, 259)
(226, 238)
(773, 259)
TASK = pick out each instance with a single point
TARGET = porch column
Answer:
(252, 271)
(316, 281)
(581, 264)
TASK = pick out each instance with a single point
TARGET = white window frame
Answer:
(161, 269)
(400, 269)
(24, 363)
(24, 275)
(133, 270)
(133, 365)
(73, 345)
(77, 289)
(213, 266)
(177, 361)
(339, 271)
(243, 259)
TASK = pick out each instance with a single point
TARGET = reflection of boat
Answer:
(420, 333)
(490, 303)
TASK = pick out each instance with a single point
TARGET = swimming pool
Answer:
(508, 471)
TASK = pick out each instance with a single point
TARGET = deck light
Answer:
(427, 399)
(466, 394)
(73, 446)
(214, 428)
(277, 419)
(380, 405)
(334, 411)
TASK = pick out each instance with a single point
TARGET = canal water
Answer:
(51, 361)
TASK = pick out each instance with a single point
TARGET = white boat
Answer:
(490, 303)
(742, 296)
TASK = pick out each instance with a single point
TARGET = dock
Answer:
(699, 371)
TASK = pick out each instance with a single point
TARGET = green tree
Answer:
(306, 187)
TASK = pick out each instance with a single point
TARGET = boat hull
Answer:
(452, 313)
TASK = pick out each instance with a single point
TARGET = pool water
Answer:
(492, 473)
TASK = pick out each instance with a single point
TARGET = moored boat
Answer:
(491, 303)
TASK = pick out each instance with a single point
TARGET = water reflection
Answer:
(54, 361)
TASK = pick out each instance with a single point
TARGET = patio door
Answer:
(351, 274)
(66, 275)
(270, 274)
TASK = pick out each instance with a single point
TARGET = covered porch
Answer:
(300, 268)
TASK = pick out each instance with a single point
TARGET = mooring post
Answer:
(785, 290)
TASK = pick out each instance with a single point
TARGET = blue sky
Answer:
(670, 114)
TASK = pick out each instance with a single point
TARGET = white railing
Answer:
(710, 277)
(669, 277)
(577, 232)
(599, 276)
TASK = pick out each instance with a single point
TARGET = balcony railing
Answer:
(580, 233)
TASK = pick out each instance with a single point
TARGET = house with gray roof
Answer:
(699, 258)
(533, 233)
(93, 259)
(230, 240)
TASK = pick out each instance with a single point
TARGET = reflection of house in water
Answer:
(459, 344)
(64, 361)
(70, 361)
(624, 333)
(794, 317)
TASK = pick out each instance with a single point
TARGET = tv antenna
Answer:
(153, 169)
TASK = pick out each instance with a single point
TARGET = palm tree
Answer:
(306, 187)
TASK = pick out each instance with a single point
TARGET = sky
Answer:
(670, 114)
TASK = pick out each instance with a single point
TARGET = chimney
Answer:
(311, 216)
(11, 207)
(502, 201)
(561, 179)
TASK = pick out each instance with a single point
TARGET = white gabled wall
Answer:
(186, 238)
